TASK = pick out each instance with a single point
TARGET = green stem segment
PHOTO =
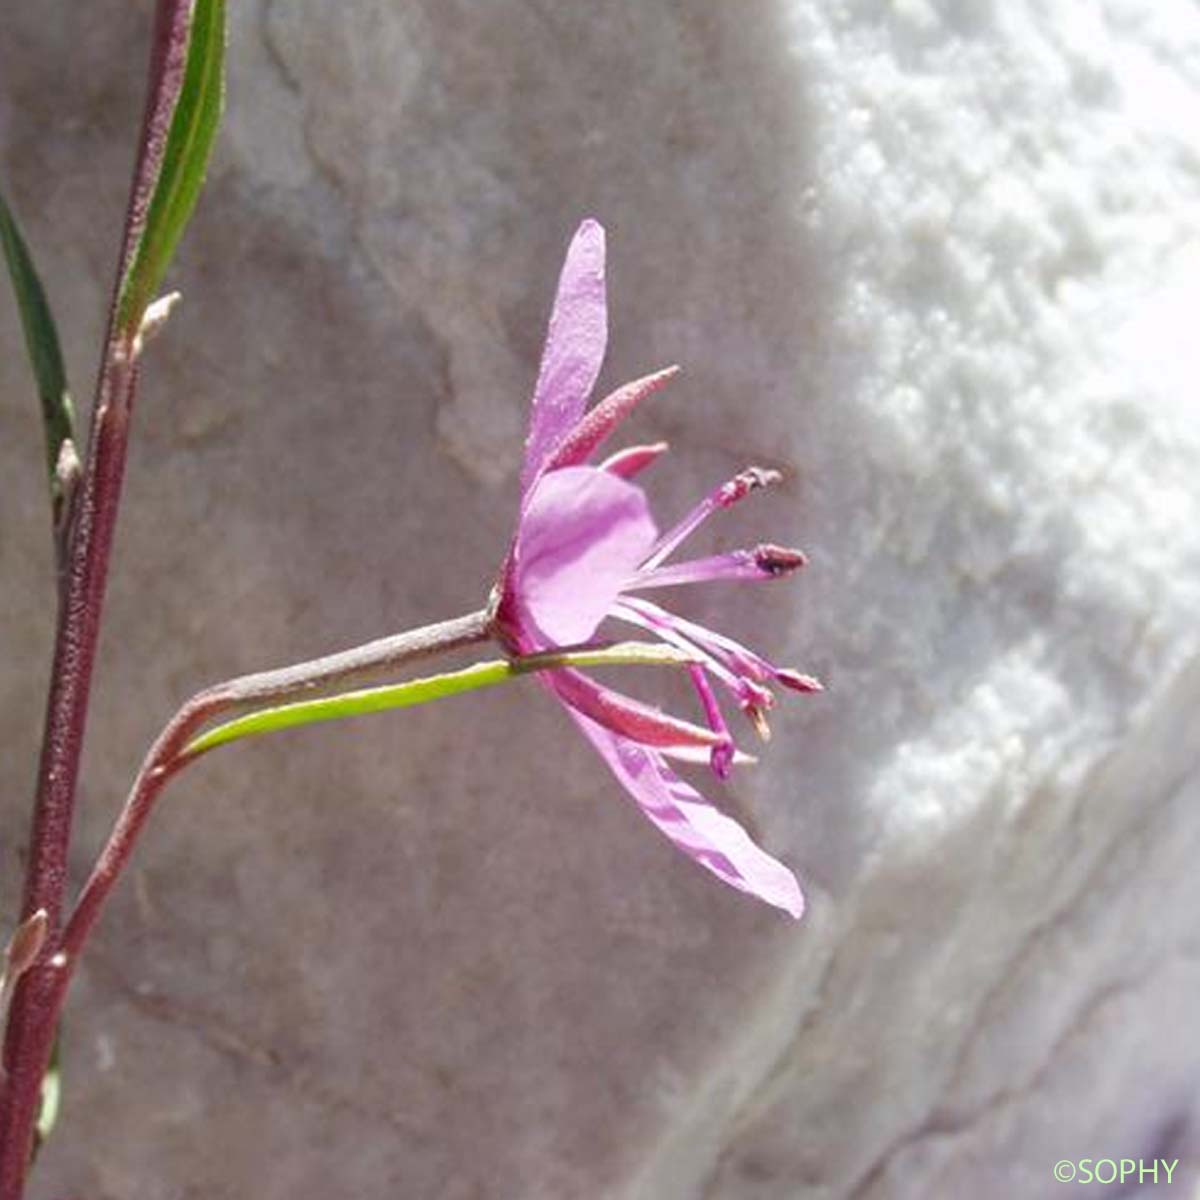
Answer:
(421, 691)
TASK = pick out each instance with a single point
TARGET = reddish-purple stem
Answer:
(29, 1034)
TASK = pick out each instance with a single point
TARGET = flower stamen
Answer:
(763, 562)
(777, 561)
(727, 495)
(739, 659)
(721, 757)
(750, 695)
(758, 719)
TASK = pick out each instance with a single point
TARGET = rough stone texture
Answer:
(940, 262)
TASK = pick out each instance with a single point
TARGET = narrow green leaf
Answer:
(421, 691)
(41, 342)
(193, 97)
(51, 1094)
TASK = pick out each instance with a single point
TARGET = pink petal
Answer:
(633, 460)
(574, 349)
(704, 833)
(578, 445)
(631, 719)
(581, 536)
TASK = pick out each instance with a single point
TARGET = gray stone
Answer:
(937, 262)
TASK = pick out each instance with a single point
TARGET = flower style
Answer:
(586, 545)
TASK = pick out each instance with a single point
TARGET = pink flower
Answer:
(585, 548)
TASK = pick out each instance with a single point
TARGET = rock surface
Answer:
(940, 262)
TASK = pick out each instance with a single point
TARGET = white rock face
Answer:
(940, 262)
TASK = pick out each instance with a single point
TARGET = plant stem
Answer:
(29, 1035)
(85, 545)
(165, 760)
(29, 1031)
(39, 999)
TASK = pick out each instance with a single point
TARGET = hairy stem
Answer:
(166, 759)
(29, 1034)
(43, 989)
(92, 518)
